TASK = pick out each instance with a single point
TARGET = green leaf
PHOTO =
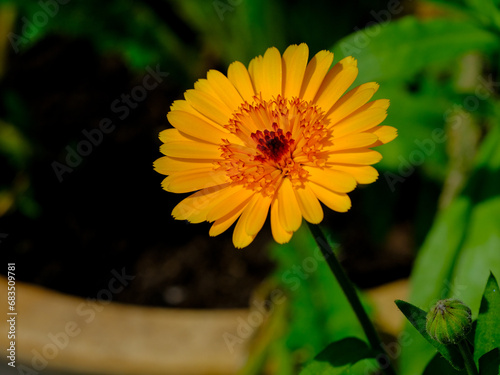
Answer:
(461, 248)
(398, 50)
(487, 335)
(486, 11)
(338, 357)
(422, 116)
(417, 318)
(489, 364)
(438, 365)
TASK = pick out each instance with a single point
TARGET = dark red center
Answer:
(273, 144)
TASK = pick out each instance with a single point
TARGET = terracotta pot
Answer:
(71, 334)
(66, 333)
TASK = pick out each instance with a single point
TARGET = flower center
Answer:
(273, 145)
(279, 137)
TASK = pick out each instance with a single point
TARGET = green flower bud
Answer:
(449, 321)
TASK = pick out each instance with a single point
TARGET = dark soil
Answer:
(110, 213)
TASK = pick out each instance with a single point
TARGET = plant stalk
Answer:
(470, 366)
(349, 291)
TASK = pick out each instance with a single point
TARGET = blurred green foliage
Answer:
(463, 244)
(315, 312)
(462, 247)
(341, 357)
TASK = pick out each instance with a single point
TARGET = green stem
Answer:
(470, 366)
(352, 297)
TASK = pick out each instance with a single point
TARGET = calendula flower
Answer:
(281, 136)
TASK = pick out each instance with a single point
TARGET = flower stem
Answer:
(470, 366)
(352, 297)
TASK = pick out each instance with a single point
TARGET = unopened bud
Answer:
(449, 321)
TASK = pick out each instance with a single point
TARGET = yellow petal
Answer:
(266, 74)
(224, 223)
(315, 73)
(331, 179)
(183, 105)
(196, 179)
(363, 174)
(370, 107)
(191, 150)
(289, 210)
(360, 122)
(309, 205)
(339, 202)
(239, 196)
(379, 103)
(168, 165)
(195, 207)
(254, 70)
(294, 66)
(237, 73)
(384, 134)
(241, 238)
(209, 106)
(272, 71)
(258, 214)
(171, 135)
(355, 140)
(351, 101)
(362, 156)
(224, 89)
(280, 235)
(336, 82)
(251, 220)
(196, 127)
(203, 85)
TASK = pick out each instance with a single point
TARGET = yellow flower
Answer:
(280, 136)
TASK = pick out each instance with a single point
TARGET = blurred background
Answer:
(84, 91)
